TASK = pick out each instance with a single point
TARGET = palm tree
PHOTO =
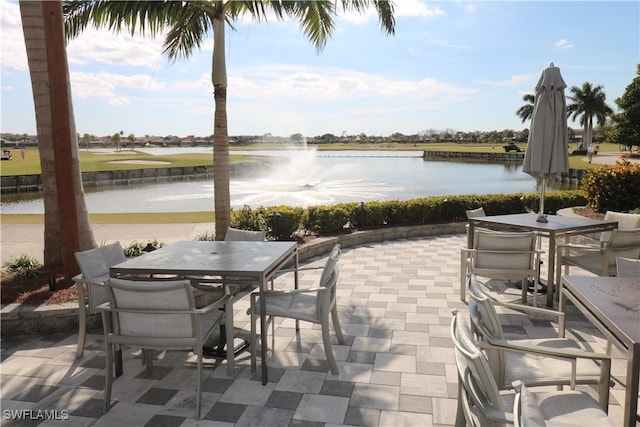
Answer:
(588, 101)
(526, 111)
(66, 220)
(189, 23)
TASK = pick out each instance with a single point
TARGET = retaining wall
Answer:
(574, 176)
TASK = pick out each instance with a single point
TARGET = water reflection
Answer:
(305, 178)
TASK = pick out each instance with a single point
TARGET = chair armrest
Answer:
(96, 281)
(292, 291)
(581, 248)
(530, 309)
(284, 271)
(496, 251)
(213, 306)
(561, 353)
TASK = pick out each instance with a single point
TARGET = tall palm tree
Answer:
(588, 101)
(526, 111)
(189, 22)
(67, 228)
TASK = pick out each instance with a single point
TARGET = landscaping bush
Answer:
(324, 220)
(23, 266)
(613, 188)
(283, 222)
(136, 248)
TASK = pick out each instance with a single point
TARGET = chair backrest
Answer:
(627, 267)
(475, 376)
(625, 222)
(483, 313)
(623, 243)
(237, 235)
(475, 213)
(94, 265)
(329, 279)
(486, 325)
(147, 308)
(96, 262)
(504, 245)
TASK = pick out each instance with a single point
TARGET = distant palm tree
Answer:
(526, 111)
(588, 101)
(189, 23)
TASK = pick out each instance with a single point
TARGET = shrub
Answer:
(23, 266)
(613, 188)
(332, 219)
(206, 236)
(283, 222)
(136, 248)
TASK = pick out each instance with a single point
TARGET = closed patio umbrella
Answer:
(547, 153)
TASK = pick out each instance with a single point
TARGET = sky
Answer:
(454, 65)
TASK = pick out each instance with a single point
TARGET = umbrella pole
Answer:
(541, 216)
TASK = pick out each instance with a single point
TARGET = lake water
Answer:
(305, 178)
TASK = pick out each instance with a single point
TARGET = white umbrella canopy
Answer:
(547, 153)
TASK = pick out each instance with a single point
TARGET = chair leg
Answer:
(336, 324)
(463, 275)
(108, 375)
(252, 342)
(82, 320)
(328, 350)
(199, 386)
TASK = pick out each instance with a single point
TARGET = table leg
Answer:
(230, 339)
(551, 268)
(263, 334)
(562, 307)
(631, 394)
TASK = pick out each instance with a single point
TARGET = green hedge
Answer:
(285, 222)
(613, 188)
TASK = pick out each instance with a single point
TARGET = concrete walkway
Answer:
(396, 367)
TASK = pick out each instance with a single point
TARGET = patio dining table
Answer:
(612, 305)
(555, 227)
(249, 263)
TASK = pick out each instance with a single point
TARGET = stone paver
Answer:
(396, 367)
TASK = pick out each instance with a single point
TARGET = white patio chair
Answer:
(155, 315)
(600, 259)
(502, 255)
(471, 213)
(480, 401)
(536, 361)
(94, 266)
(505, 314)
(627, 267)
(576, 408)
(310, 304)
(625, 221)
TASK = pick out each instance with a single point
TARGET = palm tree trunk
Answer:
(66, 220)
(222, 198)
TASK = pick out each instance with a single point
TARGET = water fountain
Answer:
(300, 179)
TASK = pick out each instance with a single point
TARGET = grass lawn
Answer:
(91, 161)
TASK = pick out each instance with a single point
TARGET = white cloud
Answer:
(105, 47)
(119, 101)
(563, 44)
(288, 84)
(86, 85)
(446, 43)
(14, 53)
